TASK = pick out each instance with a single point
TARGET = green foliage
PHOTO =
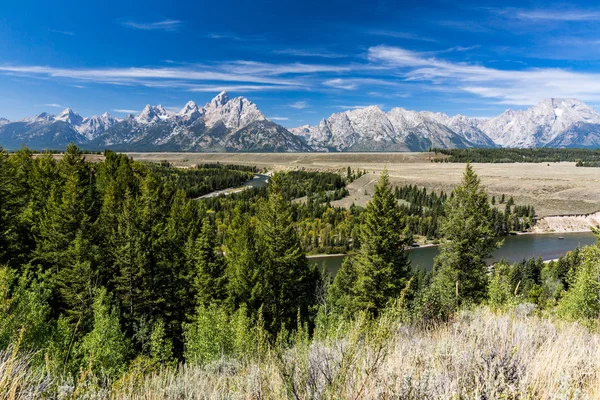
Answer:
(500, 289)
(209, 265)
(582, 300)
(215, 334)
(161, 347)
(24, 311)
(290, 281)
(381, 266)
(204, 178)
(105, 348)
(460, 270)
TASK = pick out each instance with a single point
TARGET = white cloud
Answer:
(54, 105)
(238, 88)
(234, 37)
(559, 15)
(299, 105)
(355, 83)
(401, 35)
(254, 67)
(165, 25)
(309, 53)
(125, 111)
(279, 118)
(145, 75)
(359, 107)
(519, 87)
(340, 83)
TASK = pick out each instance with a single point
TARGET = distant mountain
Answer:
(371, 129)
(237, 125)
(542, 124)
(223, 124)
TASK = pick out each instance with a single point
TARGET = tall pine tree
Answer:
(380, 269)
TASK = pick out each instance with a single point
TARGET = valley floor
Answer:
(553, 189)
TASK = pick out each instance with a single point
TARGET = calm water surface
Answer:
(515, 248)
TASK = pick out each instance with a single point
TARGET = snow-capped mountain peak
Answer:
(220, 99)
(4, 121)
(190, 111)
(234, 113)
(152, 114)
(540, 124)
(69, 116)
(94, 126)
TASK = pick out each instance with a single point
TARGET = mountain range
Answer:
(237, 125)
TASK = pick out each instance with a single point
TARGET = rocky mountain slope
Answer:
(223, 124)
(236, 124)
(552, 122)
(371, 129)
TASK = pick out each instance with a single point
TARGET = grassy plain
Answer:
(554, 189)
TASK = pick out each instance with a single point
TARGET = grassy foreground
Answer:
(480, 354)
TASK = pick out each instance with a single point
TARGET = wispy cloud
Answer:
(147, 76)
(68, 33)
(309, 53)
(279, 118)
(355, 83)
(359, 107)
(164, 25)
(299, 105)
(239, 88)
(54, 105)
(125, 111)
(340, 83)
(401, 35)
(556, 15)
(234, 37)
(518, 87)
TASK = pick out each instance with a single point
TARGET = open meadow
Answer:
(554, 189)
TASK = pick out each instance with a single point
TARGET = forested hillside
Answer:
(112, 278)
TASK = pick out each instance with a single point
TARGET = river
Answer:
(515, 248)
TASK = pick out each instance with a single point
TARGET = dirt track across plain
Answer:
(554, 189)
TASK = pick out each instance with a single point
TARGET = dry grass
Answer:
(480, 355)
(554, 189)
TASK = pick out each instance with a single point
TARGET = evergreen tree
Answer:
(209, 267)
(245, 277)
(133, 282)
(381, 265)
(460, 270)
(291, 281)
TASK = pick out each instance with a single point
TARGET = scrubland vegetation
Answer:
(115, 284)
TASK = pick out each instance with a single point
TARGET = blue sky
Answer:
(299, 61)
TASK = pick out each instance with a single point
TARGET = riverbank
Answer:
(567, 223)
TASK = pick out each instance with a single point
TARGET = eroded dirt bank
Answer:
(567, 223)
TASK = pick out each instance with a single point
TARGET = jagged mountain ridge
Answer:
(236, 124)
(372, 129)
(223, 124)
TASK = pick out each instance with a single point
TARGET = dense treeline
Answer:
(425, 210)
(204, 178)
(593, 164)
(510, 155)
(108, 272)
(116, 259)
